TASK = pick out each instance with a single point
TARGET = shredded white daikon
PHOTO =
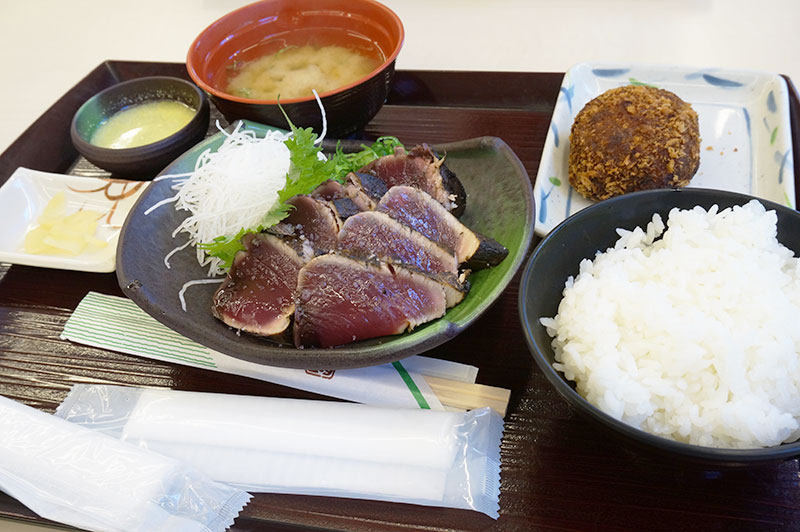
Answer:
(324, 118)
(186, 285)
(230, 189)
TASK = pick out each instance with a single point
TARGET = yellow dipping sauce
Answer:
(294, 71)
(142, 123)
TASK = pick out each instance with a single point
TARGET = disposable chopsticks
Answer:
(466, 396)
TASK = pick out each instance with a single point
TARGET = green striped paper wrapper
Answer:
(117, 324)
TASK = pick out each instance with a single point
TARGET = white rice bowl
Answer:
(691, 333)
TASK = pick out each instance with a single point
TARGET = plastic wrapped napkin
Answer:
(266, 444)
(73, 475)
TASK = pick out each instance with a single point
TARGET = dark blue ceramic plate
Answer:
(499, 204)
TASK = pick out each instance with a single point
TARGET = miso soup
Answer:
(293, 71)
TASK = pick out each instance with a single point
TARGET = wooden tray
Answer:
(560, 471)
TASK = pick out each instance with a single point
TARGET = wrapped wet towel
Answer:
(73, 475)
(266, 444)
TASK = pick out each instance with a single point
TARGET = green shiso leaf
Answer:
(307, 170)
(224, 248)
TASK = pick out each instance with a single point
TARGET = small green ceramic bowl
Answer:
(147, 160)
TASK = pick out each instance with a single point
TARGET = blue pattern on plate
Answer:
(720, 82)
(543, 196)
(568, 92)
(783, 164)
(554, 129)
(543, 207)
(610, 72)
(747, 124)
(713, 80)
(771, 105)
(569, 202)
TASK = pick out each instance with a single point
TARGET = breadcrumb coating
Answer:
(633, 138)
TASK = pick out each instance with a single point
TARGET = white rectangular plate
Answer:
(744, 125)
(26, 193)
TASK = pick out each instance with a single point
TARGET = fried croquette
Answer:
(633, 138)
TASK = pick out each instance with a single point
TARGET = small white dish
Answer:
(26, 193)
(744, 123)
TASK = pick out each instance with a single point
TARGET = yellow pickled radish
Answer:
(58, 233)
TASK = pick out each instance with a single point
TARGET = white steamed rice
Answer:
(693, 336)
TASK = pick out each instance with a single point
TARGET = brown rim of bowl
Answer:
(224, 95)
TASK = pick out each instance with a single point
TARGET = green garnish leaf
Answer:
(224, 248)
(345, 163)
(278, 212)
(306, 172)
(634, 81)
(285, 48)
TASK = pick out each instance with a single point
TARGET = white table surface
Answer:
(47, 46)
